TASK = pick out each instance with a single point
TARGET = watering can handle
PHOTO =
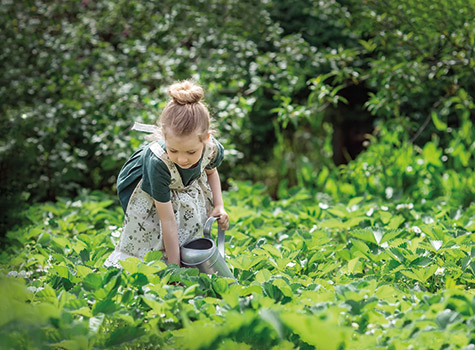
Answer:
(207, 233)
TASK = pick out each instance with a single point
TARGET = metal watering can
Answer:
(203, 253)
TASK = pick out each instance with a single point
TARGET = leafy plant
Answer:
(312, 272)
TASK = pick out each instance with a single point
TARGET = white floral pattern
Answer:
(191, 204)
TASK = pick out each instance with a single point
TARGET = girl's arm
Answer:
(169, 231)
(215, 184)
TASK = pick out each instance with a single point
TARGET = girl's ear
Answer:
(207, 137)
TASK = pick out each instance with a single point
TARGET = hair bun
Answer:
(186, 92)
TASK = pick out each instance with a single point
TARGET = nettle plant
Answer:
(312, 272)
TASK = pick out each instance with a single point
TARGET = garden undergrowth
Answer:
(312, 274)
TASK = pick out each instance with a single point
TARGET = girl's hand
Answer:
(223, 220)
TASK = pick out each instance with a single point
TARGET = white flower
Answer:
(416, 229)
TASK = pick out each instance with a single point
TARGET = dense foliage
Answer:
(291, 84)
(312, 272)
(377, 253)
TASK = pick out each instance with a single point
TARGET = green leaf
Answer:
(124, 335)
(361, 246)
(220, 286)
(263, 275)
(139, 279)
(283, 286)
(322, 333)
(131, 264)
(355, 266)
(395, 222)
(438, 123)
(92, 281)
(84, 255)
(364, 234)
(421, 274)
(127, 297)
(155, 255)
(421, 261)
(447, 317)
(339, 211)
(332, 223)
(107, 306)
(62, 271)
(83, 270)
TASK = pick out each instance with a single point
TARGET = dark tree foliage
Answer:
(291, 85)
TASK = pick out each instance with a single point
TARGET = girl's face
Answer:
(185, 151)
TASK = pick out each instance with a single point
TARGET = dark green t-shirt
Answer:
(146, 166)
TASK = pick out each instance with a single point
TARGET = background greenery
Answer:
(374, 248)
(290, 84)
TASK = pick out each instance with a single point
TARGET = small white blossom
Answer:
(416, 229)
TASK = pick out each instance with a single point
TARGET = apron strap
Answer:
(207, 233)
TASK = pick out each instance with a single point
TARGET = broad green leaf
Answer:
(354, 221)
(283, 286)
(395, 222)
(106, 306)
(83, 270)
(78, 246)
(339, 211)
(390, 235)
(420, 274)
(432, 154)
(385, 217)
(61, 241)
(123, 335)
(361, 246)
(354, 201)
(245, 261)
(231, 295)
(62, 271)
(446, 318)
(281, 263)
(355, 266)
(397, 253)
(421, 261)
(364, 234)
(328, 267)
(332, 223)
(153, 256)
(274, 252)
(92, 281)
(139, 279)
(387, 293)
(157, 307)
(131, 264)
(263, 275)
(220, 286)
(323, 334)
(149, 270)
(438, 123)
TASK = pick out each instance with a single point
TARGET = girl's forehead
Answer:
(186, 143)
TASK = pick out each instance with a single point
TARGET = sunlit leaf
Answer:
(122, 335)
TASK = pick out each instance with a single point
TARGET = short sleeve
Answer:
(216, 162)
(156, 177)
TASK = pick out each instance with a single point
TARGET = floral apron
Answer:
(192, 204)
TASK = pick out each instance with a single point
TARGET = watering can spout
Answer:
(203, 253)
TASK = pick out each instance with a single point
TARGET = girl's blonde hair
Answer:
(185, 113)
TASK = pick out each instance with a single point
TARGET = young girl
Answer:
(169, 187)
